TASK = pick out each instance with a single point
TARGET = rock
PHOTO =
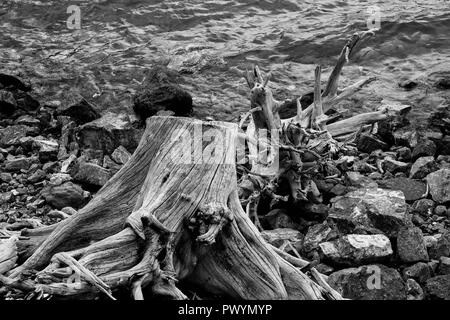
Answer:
(317, 234)
(412, 189)
(314, 211)
(17, 164)
(356, 179)
(121, 155)
(422, 167)
(67, 194)
(7, 103)
(5, 177)
(6, 197)
(438, 287)
(28, 120)
(11, 135)
(69, 210)
(371, 282)
(440, 210)
(424, 148)
(407, 84)
(423, 206)
(406, 137)
(91, 174)
(404, 154)
(440, 118)
(439, 183)
(441, 248)
(108, 133)
(161, 92)
(444, 266)
(68, 164)
(108, 163)
(420, 272)
(56, 214)
(81, 112)
(37, 176)
(411, 245)
(47, 149)
(369, 208)
(278, 237)
(414, 290)
(195, 58)
(278, 218)
(356, 249)
(394, 166)
(443, 146)
(442, 84)
(368, 143)
(13, 82)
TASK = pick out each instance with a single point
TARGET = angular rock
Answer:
(278, 218)
(424, 148)
(47, 149)
(411, 245)
(394, 166)
(13, 82)
(369, 208)
(420, 272)
(81, 112)
(404, 154)
(423, 206)
(92, 174)
(356, 179)
(371, 282)
(108, 163)
(356, 249)
(12, 134)
(444, 266)
(317, 234)
(121, 155)
(439, 182)
(5, 177)
(108, 133)
(440, 118)
(369, 142)
(28, 120)
(412, 189)
(37, 176)
(422, 167)
(441, 248)
(17, 164)
(67, 194)
(414, 290)
(443, 146)
(438, 287)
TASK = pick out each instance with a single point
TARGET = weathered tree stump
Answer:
(171, 214)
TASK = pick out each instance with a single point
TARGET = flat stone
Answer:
(369, 208)
(439, 182)
(91, 174)
(411, 245)
(368, 143)
(17, 164)
(370, 282)
(412, 189)
(356, 249)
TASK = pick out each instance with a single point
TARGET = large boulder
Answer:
(411, 245)
(412, 189)
(356, 249)
(109, 132)
(369, 209)
(67, 194)
(370, 282)
(159, 92)
(81, 112)
(439, 182)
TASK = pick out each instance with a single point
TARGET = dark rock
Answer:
(423, 207)
(420, 272)
(371, 282)
(108, 133)
(17, 164)
(440, 118)
(81, 112)
(407, 84)
(108, 163)
(443, 146)
(438, 287)
(404, 154)
(315, 211)
(12, 82)
(394, 166)
(356, 249)
(439, 183)
(339, 190)
(441, 248)
(37, 176)
(369, 209)
(25, 101)
(7, 103)
(67, 194)
(28, 120)
(278, 218)
(424, 148)
(368, 143)
(161, 92)
(405, 137)
(412, 189)
(443, 84)
(411, 245)
(324, 269)
(440, 210)
(422, 167)
(47, 149)
(91, 174)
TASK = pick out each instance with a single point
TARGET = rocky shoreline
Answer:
(381, 230)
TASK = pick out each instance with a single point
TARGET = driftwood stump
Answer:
(171, 214)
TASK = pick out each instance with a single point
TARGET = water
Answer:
(105, 60)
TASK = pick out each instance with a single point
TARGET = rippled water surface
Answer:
(210, 41)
